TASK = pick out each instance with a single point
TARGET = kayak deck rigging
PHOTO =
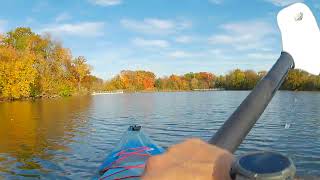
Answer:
(127, 160)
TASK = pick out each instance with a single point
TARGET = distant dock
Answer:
(215, 89)
(107, 92)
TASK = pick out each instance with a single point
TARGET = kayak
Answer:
(128, 159)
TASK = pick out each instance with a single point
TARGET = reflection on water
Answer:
(69, 138)
(33, 131)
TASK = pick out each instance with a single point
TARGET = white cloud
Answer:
(216, 52)
(63, 17)
(3, 24)
(84, 29)
(184, 39)
(263, 55)
(106, 2)
(216, 1)
(283, 2)
(244, 35)
(148, 43)
(180, 54)
(189, 55)
(155, 26)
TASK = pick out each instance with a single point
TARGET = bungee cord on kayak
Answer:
(128, 160)
(122, 156)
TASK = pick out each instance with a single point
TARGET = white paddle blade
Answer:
(300, 37)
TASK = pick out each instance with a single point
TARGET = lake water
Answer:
(69, 138)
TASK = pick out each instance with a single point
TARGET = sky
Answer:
(162, 36)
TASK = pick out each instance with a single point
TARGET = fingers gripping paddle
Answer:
(301, 42)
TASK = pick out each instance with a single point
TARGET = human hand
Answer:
(192, 159)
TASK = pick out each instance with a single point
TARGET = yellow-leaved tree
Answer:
(80, 70)
(16, 73)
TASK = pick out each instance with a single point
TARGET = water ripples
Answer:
(69, 138)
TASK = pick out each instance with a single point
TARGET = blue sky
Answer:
(163, 36)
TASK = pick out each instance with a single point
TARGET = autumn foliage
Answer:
(146, 81)
(297, 80)
(132, 81)
(35, 66)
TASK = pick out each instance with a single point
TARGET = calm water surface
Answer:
(69, 138)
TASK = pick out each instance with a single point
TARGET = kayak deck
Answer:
(127, 160)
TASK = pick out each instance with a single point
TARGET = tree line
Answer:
(297, 80)
(37, 66)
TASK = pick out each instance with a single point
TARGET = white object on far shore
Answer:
(107, 92)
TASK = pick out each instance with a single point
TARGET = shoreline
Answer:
(124, 92)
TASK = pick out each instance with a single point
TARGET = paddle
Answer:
(300, 43)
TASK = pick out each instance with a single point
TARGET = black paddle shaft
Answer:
(239, 124)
